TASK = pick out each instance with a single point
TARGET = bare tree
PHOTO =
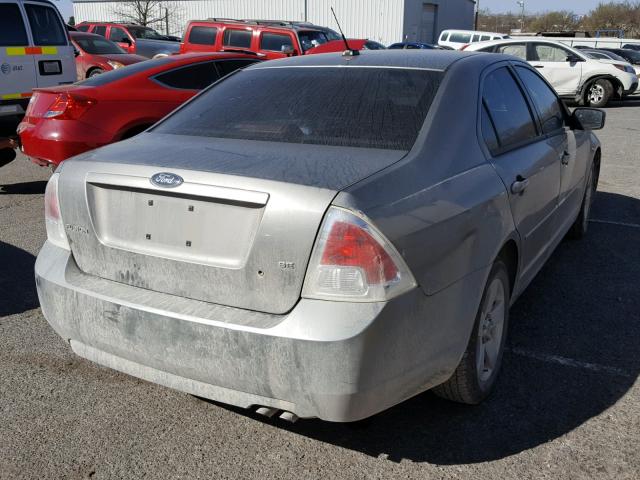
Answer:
(143, 12)
(561, 21)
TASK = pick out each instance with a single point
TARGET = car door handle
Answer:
(565, 158)
(538, 66)
(519, 185)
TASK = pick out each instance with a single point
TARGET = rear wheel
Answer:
(580, 226)
(599, 93)
(476, 374)
(94, 72)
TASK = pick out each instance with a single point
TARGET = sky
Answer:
(534, 6)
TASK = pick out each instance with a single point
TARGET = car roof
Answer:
(410, 59)
(507, 41)
(261, 24)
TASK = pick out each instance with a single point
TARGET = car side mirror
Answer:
(287, 50)
(586, 118)
(76, 52)
(573, 59)
(126, 40)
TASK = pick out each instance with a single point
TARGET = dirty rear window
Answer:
(355, 107)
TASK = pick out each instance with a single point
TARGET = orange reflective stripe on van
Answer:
(15, 96)
(19, 51)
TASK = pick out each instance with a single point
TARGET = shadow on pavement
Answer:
(582, 306)
(24, 188)
(17, 285)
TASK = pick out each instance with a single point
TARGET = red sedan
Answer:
(67, 120)
(95, 55)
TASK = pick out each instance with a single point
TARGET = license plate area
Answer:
(175, 225)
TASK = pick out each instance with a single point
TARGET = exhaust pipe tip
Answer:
(289, 417)
(266, 411)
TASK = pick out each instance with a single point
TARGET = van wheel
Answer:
(94, 72)
(476, 374)
(599, 93)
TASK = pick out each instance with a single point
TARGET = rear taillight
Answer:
(68, 107)
(464, 46)
(52, 216)
(352, 261)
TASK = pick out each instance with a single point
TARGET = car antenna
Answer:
(349, 52)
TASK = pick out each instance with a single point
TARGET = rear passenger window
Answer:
(46, 26)
(545, 100)
(274, 42)
(12, 31)
(99, 30)
(475, 38)
(460, 37)
(203, 35)
(484, 38)
(192, 77)
(237, 38)
(507, 109)
(516, 49)
(225, 67)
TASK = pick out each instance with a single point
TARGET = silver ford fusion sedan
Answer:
(321, 236)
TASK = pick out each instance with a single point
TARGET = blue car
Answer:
(412, 46)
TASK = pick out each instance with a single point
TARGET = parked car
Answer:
(95, 55)
(412, 46)
(309, 255)
(631, 46)
(631, 56)
(34, 52)
(607, 54)
(457, 39)
(573, 74)
(133, 38)
(64, 121)
(264, 38)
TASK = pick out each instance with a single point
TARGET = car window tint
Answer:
(118, 35)
(396, 46)
(444, 36)
(237, 38)
(508, 108)
(460, 37)
(549, 53)
(484, 38)
(12, 31)
(100, 30)
(275, 41)
(203, 35)
(46, 26)
(545, 100)
(97, 45)
(412, 46)
(122, 73)
(475, 38)
(225, 67)
(489, 131)
(191, 77)
(517, 50)
(372, 108)
(83, 28)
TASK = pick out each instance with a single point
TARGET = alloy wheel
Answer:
(490, 331)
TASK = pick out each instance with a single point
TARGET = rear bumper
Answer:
(53, 141)
(335, 361)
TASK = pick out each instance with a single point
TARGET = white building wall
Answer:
(386, 21)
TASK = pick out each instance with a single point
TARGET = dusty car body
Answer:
(194, 255)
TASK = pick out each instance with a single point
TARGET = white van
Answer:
(35, 51)
(456, 39)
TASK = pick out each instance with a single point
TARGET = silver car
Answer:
(321, 236)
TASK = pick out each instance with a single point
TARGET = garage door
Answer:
(428, 23)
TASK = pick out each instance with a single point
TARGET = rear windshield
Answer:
(97, 45)
(356, 107)
(12, 31)
(124, 72)
(46, 26)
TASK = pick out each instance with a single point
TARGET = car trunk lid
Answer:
(218, 236)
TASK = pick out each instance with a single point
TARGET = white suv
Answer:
(573, 74)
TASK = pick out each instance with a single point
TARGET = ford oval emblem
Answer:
(166, 180)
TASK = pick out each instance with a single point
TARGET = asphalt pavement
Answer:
(567, 404)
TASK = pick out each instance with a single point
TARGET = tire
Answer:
(475, 376)
(7, 155)
(598, 93)
(94, 72)
(579, 228)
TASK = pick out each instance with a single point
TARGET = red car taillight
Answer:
(68, 106)
(353, 261)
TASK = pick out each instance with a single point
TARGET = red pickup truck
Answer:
(268, 39)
